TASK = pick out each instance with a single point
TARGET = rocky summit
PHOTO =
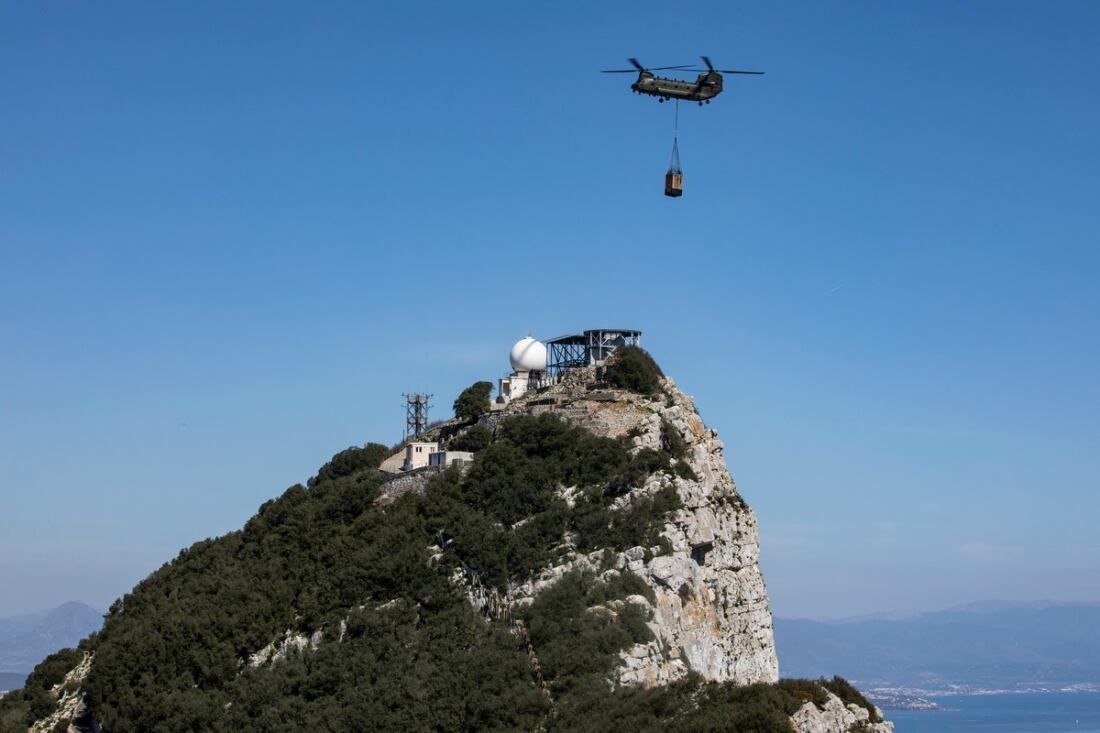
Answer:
(588, 565)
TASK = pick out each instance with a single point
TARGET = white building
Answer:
(418, 455)
(528, 359)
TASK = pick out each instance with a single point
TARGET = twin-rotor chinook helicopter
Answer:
(705, 87)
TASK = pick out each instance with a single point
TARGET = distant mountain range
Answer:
(989, 645)
(27, 639)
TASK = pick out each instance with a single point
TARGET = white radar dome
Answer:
(528, 355)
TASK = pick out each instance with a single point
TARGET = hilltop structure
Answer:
(536, 365)
(593, 544)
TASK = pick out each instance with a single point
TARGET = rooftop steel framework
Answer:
(589, 348)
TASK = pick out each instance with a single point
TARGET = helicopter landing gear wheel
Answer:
(661, 101)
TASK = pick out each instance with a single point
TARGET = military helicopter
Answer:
(707, 86)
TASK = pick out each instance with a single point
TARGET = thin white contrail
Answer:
(833, 290)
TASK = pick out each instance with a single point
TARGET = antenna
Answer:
(416, 414)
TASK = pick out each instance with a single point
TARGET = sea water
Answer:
(1054, 712)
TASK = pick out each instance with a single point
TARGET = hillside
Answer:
(990, 645)
(593, 568)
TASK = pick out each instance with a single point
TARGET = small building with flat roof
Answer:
(418, 455)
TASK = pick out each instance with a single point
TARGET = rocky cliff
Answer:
(710, 611)
(560, 582)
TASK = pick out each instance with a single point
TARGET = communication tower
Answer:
(416, 414)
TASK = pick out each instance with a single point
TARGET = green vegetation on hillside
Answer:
(473, 439)
(473, 401)
(633, 368)
(352, 460)
(506, 516)
(402, 647)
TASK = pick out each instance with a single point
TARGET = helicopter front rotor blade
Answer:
(638, 67)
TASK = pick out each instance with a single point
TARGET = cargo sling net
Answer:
(674, 164)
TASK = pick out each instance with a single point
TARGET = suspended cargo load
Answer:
(674, 179)
(674, 184)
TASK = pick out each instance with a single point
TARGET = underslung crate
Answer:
(674, 184)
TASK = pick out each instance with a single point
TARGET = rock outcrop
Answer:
(711, 613)
(836, 717)
(71, 714)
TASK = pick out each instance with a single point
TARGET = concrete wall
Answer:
(443, 459)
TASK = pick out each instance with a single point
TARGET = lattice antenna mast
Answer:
(416, 414)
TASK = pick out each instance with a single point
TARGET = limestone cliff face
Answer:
(711, 613)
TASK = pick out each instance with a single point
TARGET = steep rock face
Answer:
(711, 612)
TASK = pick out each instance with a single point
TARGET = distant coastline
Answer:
(1035, 712)
(910, 698)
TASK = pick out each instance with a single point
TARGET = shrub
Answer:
(684, 471)
(848, 694)
(634, 369)
(13, 713)
(671, 441)
(352, 460)
(473, 439)
(504, 517)
(577, 641)
(805, 690)
(473, 402)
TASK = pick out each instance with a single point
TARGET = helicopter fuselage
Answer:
(703, 89)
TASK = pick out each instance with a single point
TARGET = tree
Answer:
(352, 460)
(633, 368)
(474, 401)
(473, 439)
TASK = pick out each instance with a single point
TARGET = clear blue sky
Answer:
(232, 234)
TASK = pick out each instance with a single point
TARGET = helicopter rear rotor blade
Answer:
(710, 67)
(724, 71)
